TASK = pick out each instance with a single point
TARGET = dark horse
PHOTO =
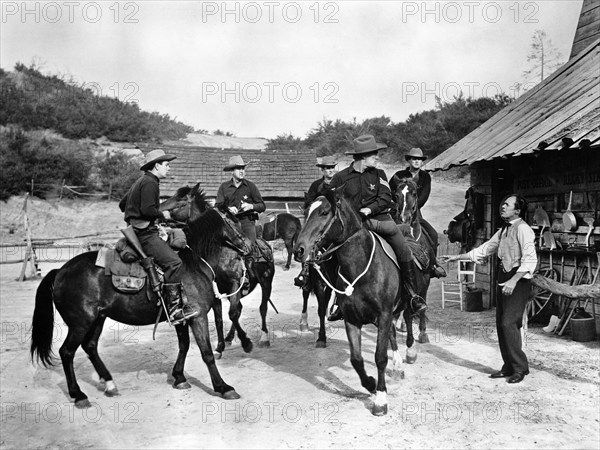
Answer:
(184, 207)
(407, 216)
(368, 282)
(84, 297)
(287, 227)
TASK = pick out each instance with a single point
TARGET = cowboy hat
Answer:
(415, 153)
(234, 162)
(326, 162)
(365, 144)
(155, 156)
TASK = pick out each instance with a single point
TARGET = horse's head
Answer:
(179, 204)
(330, 220)
(406, 198)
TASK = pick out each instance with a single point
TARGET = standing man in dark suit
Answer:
(368, 191)
(514, 244)
(414, 170)
(141, 208)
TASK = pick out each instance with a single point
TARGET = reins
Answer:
(350, 288)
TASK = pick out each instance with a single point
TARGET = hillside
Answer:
(32, 100)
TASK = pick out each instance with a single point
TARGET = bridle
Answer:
(319, 258)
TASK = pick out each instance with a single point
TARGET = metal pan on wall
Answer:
(569, 219)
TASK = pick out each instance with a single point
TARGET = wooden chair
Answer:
(453, 290)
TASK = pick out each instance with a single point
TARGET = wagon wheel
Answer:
(539, 298)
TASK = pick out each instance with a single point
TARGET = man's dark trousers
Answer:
(162, 253)
(509, 320)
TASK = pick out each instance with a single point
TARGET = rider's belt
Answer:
(252, 216)
(140, 224)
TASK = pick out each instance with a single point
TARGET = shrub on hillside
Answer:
(116, 173)
(45, 161)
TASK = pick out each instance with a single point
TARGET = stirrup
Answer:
(335, 315)
(438, 272)
(421, 308)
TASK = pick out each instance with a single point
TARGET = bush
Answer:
(48, 162)
(116, 173)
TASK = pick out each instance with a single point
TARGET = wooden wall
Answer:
(546, 180)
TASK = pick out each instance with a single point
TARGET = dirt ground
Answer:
(294, 395)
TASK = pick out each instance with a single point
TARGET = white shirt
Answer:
(515, 246)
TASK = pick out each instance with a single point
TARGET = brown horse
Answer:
(184, 207)
(84, 297)
(368, 282)
(407, 215)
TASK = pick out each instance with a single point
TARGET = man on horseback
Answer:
(141, 208)
(368, 191)
(415, 160)
(241, 198)
(317, 188)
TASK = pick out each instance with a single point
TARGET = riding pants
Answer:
(388, 230)
(162, 253)
(248, 229)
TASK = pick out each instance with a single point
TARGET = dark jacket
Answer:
(317, 188)
(142, 201)
(228, 195)
(369, 189)
(423, 184)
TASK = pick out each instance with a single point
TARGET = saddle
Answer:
(123, 266)
(261, 251)
(419, 253)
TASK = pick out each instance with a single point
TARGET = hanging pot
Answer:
(569, 219)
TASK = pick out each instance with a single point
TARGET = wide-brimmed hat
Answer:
(234, 162)
(155, 156)
(365, 144)
(415, 153)
(326, 162)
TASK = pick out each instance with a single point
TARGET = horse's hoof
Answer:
(263, 344)
(411, 355)
(111, 392)
(379, 410)
(218, 355)
(423, 339)
(83, 403)
(183, 385)
(304, 327)
(248, 347)
(321, 344)
(231, 395)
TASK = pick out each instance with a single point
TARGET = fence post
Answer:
(29, 252)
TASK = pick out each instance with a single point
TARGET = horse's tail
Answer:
(42, 325)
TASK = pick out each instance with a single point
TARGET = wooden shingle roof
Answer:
(276, 173)
(565, 105)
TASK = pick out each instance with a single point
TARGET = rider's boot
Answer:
(249, 262)
(437, 271)
(410, 287)
(177, 309)
(301, 280)
(336, 312)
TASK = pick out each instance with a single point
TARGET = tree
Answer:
(543, 57)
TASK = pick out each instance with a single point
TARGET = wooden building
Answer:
(545, 145)
(282, 176)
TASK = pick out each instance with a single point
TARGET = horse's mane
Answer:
(205, 232)
(183, 191)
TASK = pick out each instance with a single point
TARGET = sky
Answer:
(263, 69)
